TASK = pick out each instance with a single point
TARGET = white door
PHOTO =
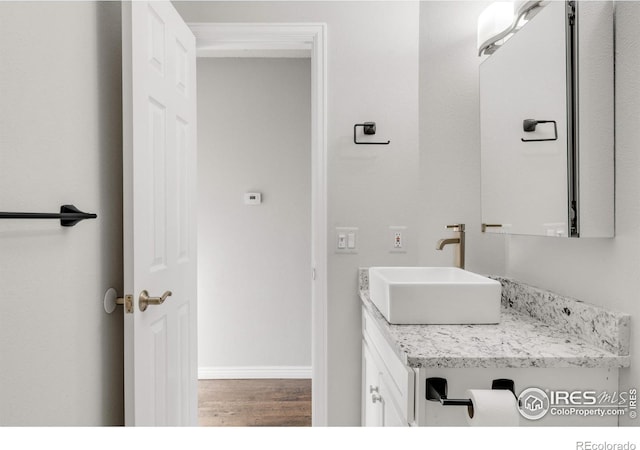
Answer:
(159, 109)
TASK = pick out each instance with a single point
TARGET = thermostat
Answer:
(252, 198)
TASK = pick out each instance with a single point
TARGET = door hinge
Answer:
(127, 301)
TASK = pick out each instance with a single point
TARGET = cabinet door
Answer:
(391, 417)
(399, 378)
(524, 183)
(371, 410)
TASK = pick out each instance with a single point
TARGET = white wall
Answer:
(450, 137)
(254, 288)
(372, 76)
(604, 272)
(60, 142)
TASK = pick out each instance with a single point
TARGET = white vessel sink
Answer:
(434, 295)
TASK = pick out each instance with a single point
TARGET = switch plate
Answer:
(397, 239)
(347, 240)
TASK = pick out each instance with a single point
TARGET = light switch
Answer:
(351, 240)
(342, 241)
(346, 240)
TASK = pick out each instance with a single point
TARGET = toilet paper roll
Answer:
(492, 408)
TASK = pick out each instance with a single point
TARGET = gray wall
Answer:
(604, 272)
(450, 136)
(254, 283)
(372, 76)
(60, 130)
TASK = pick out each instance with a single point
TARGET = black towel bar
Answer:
(69, 215)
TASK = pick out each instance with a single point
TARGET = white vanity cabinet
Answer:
(394, 394)
(387, 384)
(569, 350)
(379, 405)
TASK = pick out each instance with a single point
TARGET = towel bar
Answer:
(69, 215)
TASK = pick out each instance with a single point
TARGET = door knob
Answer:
(145, 300)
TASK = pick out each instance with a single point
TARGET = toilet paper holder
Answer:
(437, 391)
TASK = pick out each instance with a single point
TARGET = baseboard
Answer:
(246, 372)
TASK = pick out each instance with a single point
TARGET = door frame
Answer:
(249, 38)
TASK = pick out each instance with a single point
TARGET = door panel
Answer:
(159, 109)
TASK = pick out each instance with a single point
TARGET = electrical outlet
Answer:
(397, 239)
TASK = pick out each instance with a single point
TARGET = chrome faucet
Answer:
(459, 239)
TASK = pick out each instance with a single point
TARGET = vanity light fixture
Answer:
(500, 20)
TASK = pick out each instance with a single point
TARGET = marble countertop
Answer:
(519, 340)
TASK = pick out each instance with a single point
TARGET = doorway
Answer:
(254, 235)
(254, 240)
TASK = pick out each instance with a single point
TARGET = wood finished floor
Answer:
(247, 403)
